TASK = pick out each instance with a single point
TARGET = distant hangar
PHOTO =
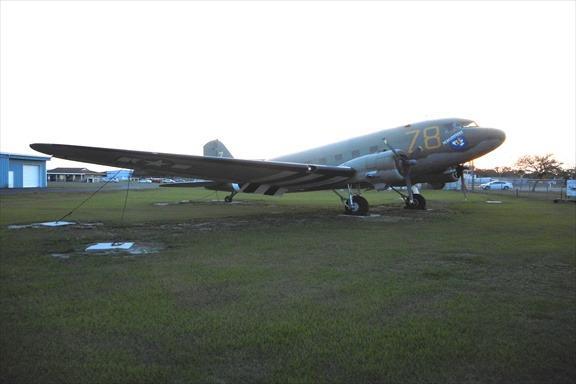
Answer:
(22, 171)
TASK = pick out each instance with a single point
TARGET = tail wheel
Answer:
(228, 199)
(419, 202)
(359, 206)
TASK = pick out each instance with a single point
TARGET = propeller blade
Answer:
(409, 185)
(463, 187)
(406, 164)
(390, 147)
(460, 173)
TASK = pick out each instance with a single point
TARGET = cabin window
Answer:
(338, 157)
(355, 153)
(374, 149)
(322, 160)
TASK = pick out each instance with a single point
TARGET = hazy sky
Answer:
(271, 78)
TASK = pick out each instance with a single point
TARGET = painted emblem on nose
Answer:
(459, 143)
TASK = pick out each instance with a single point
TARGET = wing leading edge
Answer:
(254, 176)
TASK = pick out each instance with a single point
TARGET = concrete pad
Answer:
(102, 247)
(55, 223)
(360, 216)
(48, 224)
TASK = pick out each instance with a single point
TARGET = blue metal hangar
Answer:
(22, 171)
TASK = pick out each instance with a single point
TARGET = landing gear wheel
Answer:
(228, 199)
(359, 206)
(418, 203)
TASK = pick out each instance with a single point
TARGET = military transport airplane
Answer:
(431, 151)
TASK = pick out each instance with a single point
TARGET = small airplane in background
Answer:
(428, 152)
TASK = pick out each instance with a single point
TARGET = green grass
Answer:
(288, 291)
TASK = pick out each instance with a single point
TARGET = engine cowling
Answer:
(449, 176)
(382, 168)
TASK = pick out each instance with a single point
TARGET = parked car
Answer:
(496, 185)
(167, 181)
(144, 181)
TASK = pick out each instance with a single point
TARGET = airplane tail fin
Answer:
(215, 148)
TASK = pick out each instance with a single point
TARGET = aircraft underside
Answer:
(349, 194)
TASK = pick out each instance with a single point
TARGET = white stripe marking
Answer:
(333, 180)
(277, 176)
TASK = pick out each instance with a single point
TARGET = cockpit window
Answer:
(452, 127)
(456, 126)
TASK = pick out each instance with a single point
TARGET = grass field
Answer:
(289, 291)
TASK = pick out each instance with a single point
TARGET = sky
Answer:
(272, 78)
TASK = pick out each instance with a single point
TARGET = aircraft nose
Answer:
(493, 134)
(485, 139)
(496, 134)
(490, 138)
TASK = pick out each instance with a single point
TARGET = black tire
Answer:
(506, 188)
(228, 199)
(418, 203)
(359, 206)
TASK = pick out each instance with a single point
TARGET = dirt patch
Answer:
(379, 214)
(211, 203)
(165, 236)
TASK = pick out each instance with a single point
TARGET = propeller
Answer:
(406, 167)
(460, 174)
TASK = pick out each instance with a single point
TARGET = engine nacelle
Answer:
(382, 168)
(449, 176)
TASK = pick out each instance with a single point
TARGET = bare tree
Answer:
(568, 173)
(538, 167)
(505, 171)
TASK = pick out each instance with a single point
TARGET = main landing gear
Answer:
(235, 191)
(354, 204)
(357, 205)
(228, 198)
(414, 200)
(418, 202)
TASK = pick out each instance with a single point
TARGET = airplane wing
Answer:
(253, 176)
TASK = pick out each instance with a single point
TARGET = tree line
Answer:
(531, 167)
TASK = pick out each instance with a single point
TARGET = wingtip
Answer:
(41, 147)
